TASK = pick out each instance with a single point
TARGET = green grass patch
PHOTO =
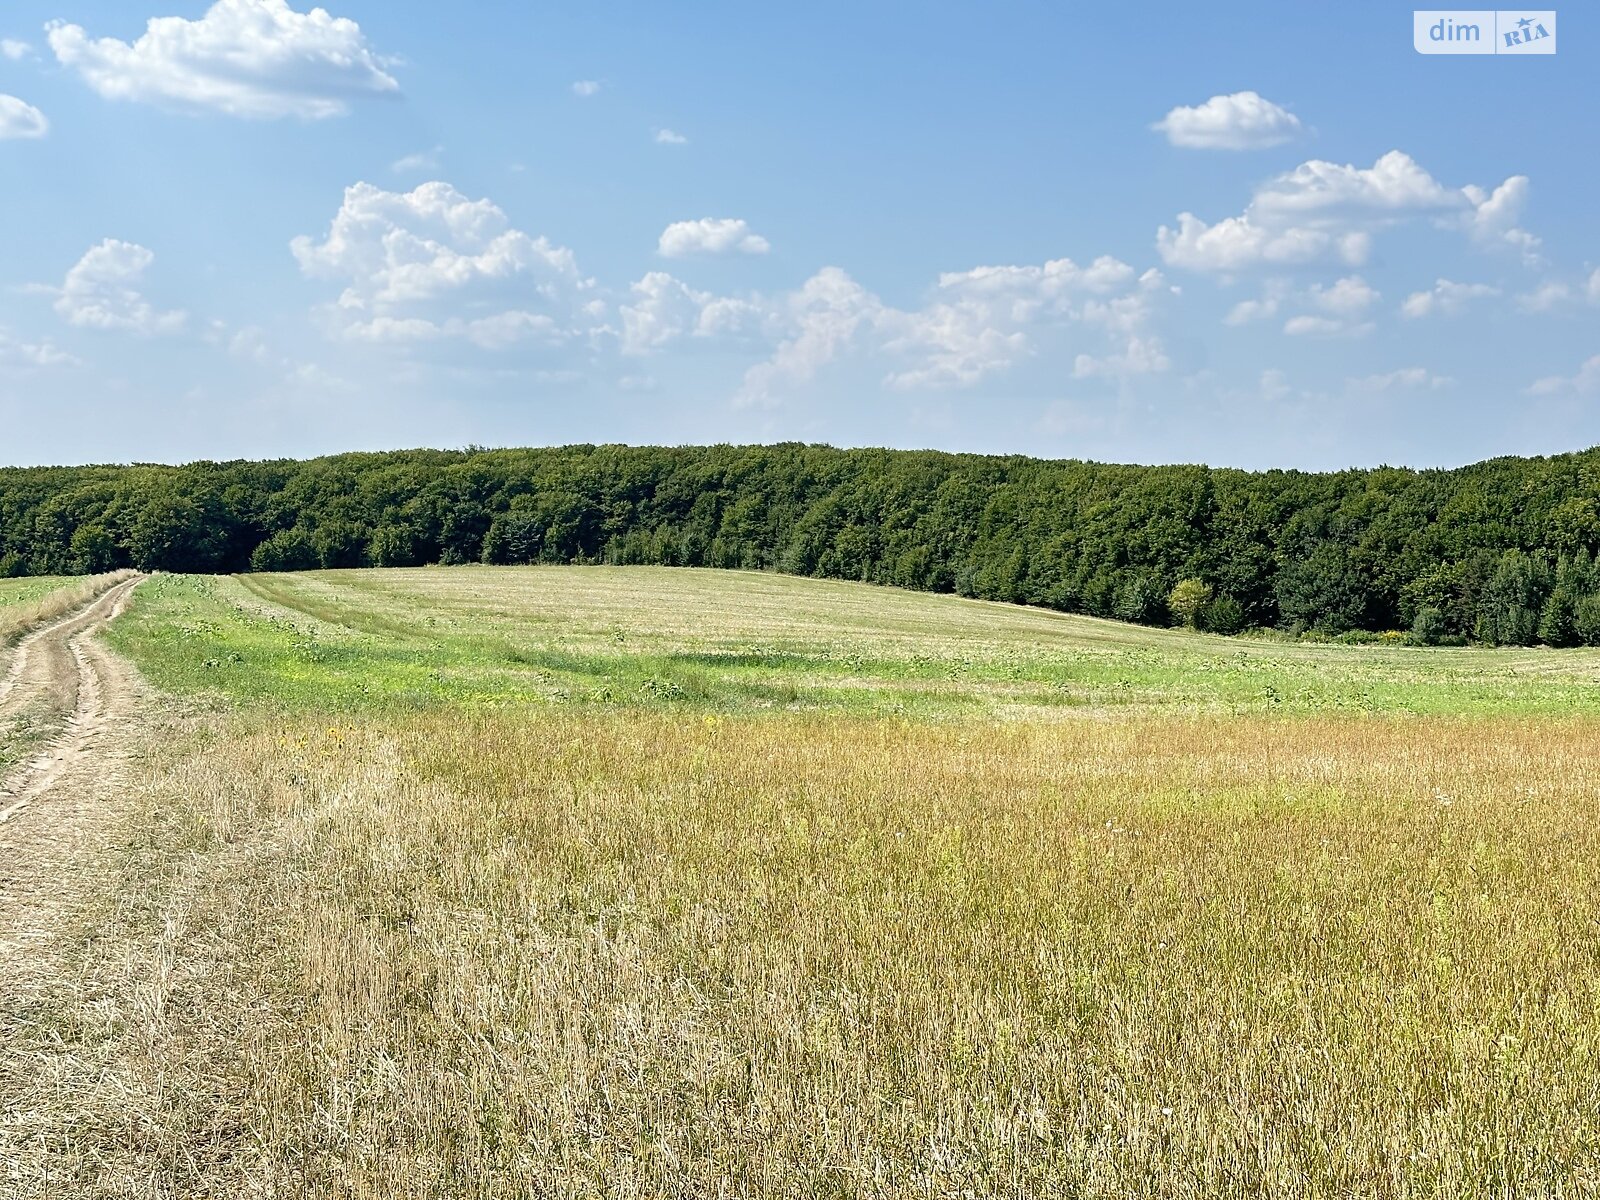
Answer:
(735, 641)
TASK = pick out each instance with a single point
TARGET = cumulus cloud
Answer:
(586, 87)
(1404, 378)
(661, 309)
(1242, 121)
(244, 58)
(1348, 297)
(1396, 183)
(434, 266)
(432, 263)
(1447, 298)
(101, 292)
(1142, 356)
(669, 137)
(1247, 311)
(16, 353)
(977, 323)
(827, 314)
(984, 320)
(1558, 293)
(1329, 212)
(14, 50)
(19, 119)
(1494, 216)
(1305, 324)
(1341, 309)
(1239, 243)
(1336, 308)
(710, 235)
(1585, 383)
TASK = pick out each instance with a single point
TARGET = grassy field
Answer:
(21, 591)
(629, 883)
(22, 601)
(746, 642)
(27, 603)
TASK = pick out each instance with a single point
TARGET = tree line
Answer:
(1500, 552)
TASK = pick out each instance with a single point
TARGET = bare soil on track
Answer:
(81, 706)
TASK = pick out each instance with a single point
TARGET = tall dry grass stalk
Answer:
(635, 954)
(17, 620)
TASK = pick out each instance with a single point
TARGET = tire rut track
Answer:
(64, 666)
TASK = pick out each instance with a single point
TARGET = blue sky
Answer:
(256, 229)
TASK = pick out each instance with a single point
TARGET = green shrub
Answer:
(1223, 614)
(1430, 627)
(1586, 620)
(286, 550)
(1188, 599)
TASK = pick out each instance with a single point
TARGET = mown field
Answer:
(640, 882)
(748, 642)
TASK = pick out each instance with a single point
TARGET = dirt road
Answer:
(62, 673)
(69, 692)
(74, 706)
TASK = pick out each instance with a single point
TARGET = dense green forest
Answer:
(1500, 552)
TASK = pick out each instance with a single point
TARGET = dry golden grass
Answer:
(34, 602)
(630, 954)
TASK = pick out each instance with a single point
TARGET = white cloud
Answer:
(984, 320)
(1302, 325)
(315, 377)
(1338, 308)
(1395, 184)
(662, 309)
(19, 119)
(101, 292)
(245, 58)
(425, 160)
(1242, 121)
(431, 263)
(1035, 286)
(1447, 298)
(1494, 216)
(827, 313)
(1585, 383)
(668, 137)
(1556, 293)
(1238, 243)
(16, 353)
(1403, 378)
(14, 50)
(249, 343)
(1345, 298)
(1314, 326)
(1246, 311)
(586, 87)
(977, 323)
(1326, 212)
(1143, 356)
(710, 235)
(1551, 294)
